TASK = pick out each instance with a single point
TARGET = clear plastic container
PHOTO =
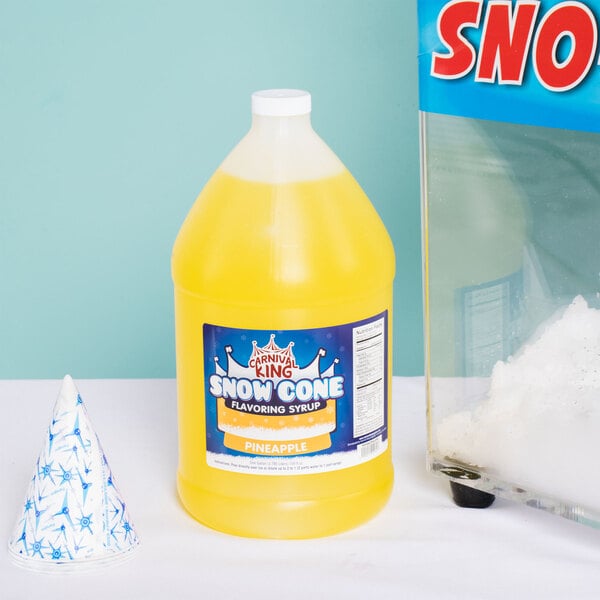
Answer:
(512, 292)
(283, 292)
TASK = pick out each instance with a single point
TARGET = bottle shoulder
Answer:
(282, 240)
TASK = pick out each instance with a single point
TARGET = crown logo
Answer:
(271, 362)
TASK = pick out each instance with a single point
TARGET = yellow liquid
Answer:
(282, 257)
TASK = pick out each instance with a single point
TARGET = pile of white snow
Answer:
(539, 426)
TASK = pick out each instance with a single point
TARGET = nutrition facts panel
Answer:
(369, 377)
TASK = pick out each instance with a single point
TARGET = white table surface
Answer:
(420, 546)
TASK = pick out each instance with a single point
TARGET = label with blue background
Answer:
(522, 61)
(296, 401)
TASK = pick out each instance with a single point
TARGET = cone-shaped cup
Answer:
(73, 516)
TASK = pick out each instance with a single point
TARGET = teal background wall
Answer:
(113, 115)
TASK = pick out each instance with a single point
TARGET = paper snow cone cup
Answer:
(73, 516)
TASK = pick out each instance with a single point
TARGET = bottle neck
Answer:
(281, 127)
(281, 150)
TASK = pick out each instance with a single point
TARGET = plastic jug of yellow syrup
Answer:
(283, 304)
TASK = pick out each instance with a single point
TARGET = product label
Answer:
(523, 61)
(296, 402)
